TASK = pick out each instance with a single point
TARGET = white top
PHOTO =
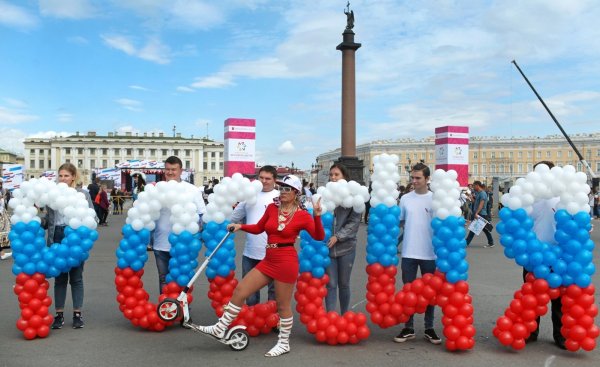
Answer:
(416, 212)
(255, 244)
(544, 224)
(163, 224)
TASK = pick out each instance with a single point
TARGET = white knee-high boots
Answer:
(283, 344)
(218, 330)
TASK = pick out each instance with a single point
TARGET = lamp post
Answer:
(292, 169)
(407, 168)
(316, 167)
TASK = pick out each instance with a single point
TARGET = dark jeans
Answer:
(248, 264)
(73, 277)
(162, 264)
(103, 215)
(339, 272)
(487, 233)
(409, 273)
(556, 313)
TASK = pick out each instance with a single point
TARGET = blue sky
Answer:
(146, 65)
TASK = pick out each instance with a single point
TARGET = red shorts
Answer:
(280, 264)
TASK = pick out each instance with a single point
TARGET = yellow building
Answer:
(91, 151)
(501, 157)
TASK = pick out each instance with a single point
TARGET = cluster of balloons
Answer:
(579, 311)
(32, 291)
(314, 255)
(33, 260)
(134, 300)
(223, 262)
(519, 319)
(329, 327)
(131, 252)
(342, 193)
(185, 248)
(32, 256)
(457, 310)
(384, 180)
(178, 197)
(545, 183)
(569, 262)
(448, 226)
(227, 193)
(60, 197)
(383, 232)
(259, 318)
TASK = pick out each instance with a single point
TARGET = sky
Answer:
(147, 65)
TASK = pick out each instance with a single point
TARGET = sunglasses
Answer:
(286, 189)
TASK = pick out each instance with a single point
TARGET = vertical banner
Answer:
(452, 151)
(240, 136)
(13, 176)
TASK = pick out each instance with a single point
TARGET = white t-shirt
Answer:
(416, 212)
(255, 244)
(163, 224)
(544, 224)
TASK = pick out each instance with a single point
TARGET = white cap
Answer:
(292, 181)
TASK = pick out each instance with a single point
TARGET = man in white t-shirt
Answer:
(544, 226)
(255, 248)
(417, 250)
(162, 247)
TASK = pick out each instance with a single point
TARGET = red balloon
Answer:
(351, 328)
(519, 331)
(363, 332)
(504, 323)
(343, 337)
(43, 331)
(529, 301)
(22, 324)
(322, 323)
(469, 331)
(311, 326)
(321, 336)
(588, 344)
(331, 332)
(540, 286)
(451, 332)
(462, 343)
(505, 338)
(30, 333)
(576, 333)
(518, 344)
(572, 345)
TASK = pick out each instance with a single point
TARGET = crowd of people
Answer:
(273, 224)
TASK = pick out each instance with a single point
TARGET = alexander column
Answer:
(348, 48)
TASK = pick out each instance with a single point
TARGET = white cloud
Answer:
(286, 147)
(154, 50)
(185, 89)
(9, 116)
(17, 103)
(130, 104)
(219, 80)
(12, 140)
(78, 40)
(14, 16)
(193, 14)
(64, 117)
(50, 134)
(72, 9)
(139, 87)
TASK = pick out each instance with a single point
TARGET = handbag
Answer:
(97, 199)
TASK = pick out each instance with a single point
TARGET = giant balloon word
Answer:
(33, 260)
(558, 266)
(177, 201)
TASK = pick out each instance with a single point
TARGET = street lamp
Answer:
(316, 167)
(292, 169)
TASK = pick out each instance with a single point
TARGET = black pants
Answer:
(556, 313)
(486, 231)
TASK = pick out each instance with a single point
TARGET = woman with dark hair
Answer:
(342, 248)
(282, 221)
(140, 184)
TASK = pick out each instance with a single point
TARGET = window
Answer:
(164, 152)
(67, 160)
(212, 154)
(221, 166)
(520, 168)
(104, 151)
(475, 168)
(528, 154)
(187, 164)
(559, 154)
(415, 156)
(220, 154)
(501, 154)
(140, 151)
(510, 154)
(511, 168)
(430, 156)
(92, 163)
(92, 151)
(49, 163)
(104, 163)
(176, 152)
(570, 154)
(129, 151)
(41, 164)
(520, 154)
(117, 151)
(529, 167)
(116, 161)
(548, 154)
(31, 151)
(205, 166)
(32, 163)
(153, 152)
(475, 155)
(212, 166)
(79, 163)
(501, 168)
(483, 169)
(579, 166)
(188, 152)
(423, 156)
(400, 155)
(538, 155)
(79, 150)
(67, 150)
(492, 168)
(483, 155)
(493, 155)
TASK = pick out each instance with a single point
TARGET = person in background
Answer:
(417, 250)
(93, 189)
(4, 223)
(342, 248)
(104, 204)
(480, 210)
(67, 173)
(255, 247)
(140, 184)
(544, 226)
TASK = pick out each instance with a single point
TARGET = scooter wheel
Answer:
(169, 309)
(240, 339)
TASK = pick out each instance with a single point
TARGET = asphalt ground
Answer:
(108, 339)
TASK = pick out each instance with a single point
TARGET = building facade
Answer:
(489, 157)
(91, 151)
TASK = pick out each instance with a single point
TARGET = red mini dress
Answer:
(282, 263)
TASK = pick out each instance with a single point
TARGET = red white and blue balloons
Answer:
(563, 268)
(33, 260)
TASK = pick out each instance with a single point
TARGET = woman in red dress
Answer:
(282, 222)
